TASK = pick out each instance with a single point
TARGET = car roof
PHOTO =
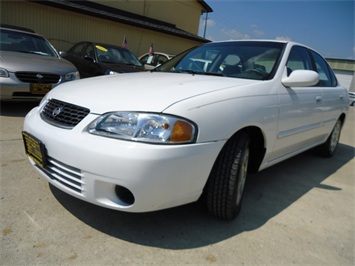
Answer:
(20, 29)
(161, 53)
(17, 28)
(100, 44)
(250, 40)
(158, 53)
(262, 40)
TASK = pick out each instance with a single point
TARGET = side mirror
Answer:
(62, 53)
(301, 78)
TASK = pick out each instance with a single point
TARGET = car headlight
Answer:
(72, 76)
(144, 127)
(4, 73)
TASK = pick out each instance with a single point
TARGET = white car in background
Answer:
(153, 140)
(151, 61)
(352, 98)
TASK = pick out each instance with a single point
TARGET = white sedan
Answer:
(186, 131)
(151, 61)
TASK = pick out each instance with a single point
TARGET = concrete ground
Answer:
(298, 212)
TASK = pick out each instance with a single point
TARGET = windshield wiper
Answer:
(34, 52)
(189, 71)
(39, 53)
(131, 64)
(213, 74)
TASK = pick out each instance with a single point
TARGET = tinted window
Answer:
(76, 50)
(162, 59)
(113, 54)
(150, 59)
(334, 79)
(298, 60)
(154, 60)
(144, 59)
(89, 51)
(325, 77)
(14, 41)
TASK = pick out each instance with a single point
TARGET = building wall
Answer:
(64, 28)
(185, 14)
(346, 79)
(344, 70)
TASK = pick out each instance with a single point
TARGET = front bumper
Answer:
(18, 92)
(11, 88)
(91, 167)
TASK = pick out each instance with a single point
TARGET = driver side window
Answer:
(325, 77)
(298, 60)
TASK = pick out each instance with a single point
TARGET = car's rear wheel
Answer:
(226, 183)
(328, 148)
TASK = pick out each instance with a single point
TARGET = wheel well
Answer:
(257, 151)
(342, 118)
(257, 147)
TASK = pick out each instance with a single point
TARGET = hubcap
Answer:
(334, 139)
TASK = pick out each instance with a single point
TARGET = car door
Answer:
(300, 110)
(333, 96)
(90, 66)
(74, 56)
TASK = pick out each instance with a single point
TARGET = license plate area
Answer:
(40, 88)
(35, 149)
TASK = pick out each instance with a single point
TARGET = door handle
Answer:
(318, 98)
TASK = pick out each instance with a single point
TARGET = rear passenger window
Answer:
(161, 59)
(77, 49)
(325, 74)
(298, 60)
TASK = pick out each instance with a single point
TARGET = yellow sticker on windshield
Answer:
(101, 48)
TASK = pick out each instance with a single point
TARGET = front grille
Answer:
(35, 77)
(63, 114)
(66, 175)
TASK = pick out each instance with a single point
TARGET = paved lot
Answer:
(301, 211)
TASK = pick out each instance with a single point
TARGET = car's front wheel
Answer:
(225, 187)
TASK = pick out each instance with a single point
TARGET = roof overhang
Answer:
(206, 7)
(113, 14)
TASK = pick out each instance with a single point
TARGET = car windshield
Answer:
(244, 59)
(14, 41)
(116, 55)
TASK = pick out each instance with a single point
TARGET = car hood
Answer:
(141, 91)
(14, 62)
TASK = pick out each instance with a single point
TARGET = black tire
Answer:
(225, 187)
(327, 149)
